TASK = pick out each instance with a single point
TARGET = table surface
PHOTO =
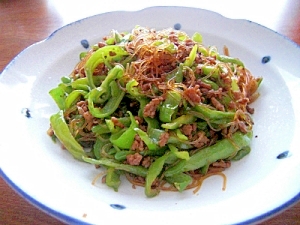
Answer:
(24, 22)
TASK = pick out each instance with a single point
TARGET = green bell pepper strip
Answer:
(66, 80)
(179, 73)
(99, 144)
(203, 50)
(105, 54)
(179, 143)
(197, 37)
(151, 122)
(213, 116)
(228, 59)
(66, 87)
(179, 154)
(121, 155)
(126, 121)
(113, 178)
(73, 97)
(176, 75)
(111, 125)
(125, 137)
(132, 89)
(204, 169)
(170, 106)
(110, 106)
(179, 121)
(241, 154)
(213, 71)
(155, 134)
(116, 37)
(234, 84)
(83, 84)
(211, 83)
(151, 143)
(62, 132)
(192, 56)
(102, 93)
(143, 102)
(223, 149)
(101, 128)
(137, 170)
(82, 55)
(58, 94)
(105, 151)
(180, 135)
(154, 170)
(180, 181)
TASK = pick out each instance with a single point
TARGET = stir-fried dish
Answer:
(158, 107)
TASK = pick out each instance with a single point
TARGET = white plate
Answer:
(258, 186)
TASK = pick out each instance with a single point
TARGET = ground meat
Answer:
(101, 44)
(163, 139)
(83, 110)
(88, 116)
(100, 69)
(243, 101)
(217, 104)
(134, 159)
(218, 166)
(200, 140)
(50, 131)
(221, 163)
(232, 105)
(138, 144)
(117, 122)
(242, 126)
(250, 110)
(82, 105)
(204, 85)
(238, 95)
(192, 94)
(146, 87)
(226, 79)
(188, 129)
(146, 161)
(138, 119)
(150, 108)
(215, 93)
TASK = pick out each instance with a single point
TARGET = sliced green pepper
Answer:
(192, 56)
(154, 170)
(103, 93)
(179, 121)
(221, 150)
(59, 95)
(152, 146)
(113, 178)
(110, 53)
(62, 132)
(73, 97)
(170, 106)
(180, 181)
(213, 116)
(137, 170)
(110, 106)
(125, 137)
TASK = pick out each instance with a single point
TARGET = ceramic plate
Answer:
(262, 184)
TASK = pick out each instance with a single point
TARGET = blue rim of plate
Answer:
(58, 215)
(71, 220)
